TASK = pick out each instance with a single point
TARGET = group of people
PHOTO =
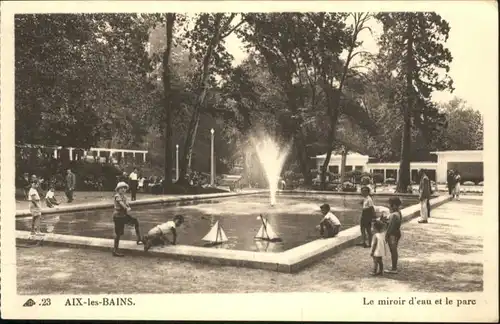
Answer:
(380, 229)
(380, 226)
(32, 190)
(158, 235)
(453, 180)
(50, 200)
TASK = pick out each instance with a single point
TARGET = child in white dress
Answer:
(378, 248)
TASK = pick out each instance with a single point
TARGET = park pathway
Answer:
(444, 255)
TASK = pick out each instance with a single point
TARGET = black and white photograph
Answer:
(232, 159)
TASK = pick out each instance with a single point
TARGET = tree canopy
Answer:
(159, 80)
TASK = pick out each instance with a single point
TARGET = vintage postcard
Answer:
(249, 160)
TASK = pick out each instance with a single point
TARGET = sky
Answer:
(473, 42)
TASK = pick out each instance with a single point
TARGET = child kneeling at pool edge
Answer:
(158, 234)
(330, 224)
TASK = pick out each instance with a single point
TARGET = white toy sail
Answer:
(216, 234)
(266, 232)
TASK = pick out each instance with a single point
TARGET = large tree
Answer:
(206, 42)
(81, 78)
(413, 44)
(288, 44)
(464, 129)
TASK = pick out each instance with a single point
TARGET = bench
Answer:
(231, 181)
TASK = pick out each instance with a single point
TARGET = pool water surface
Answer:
(294, 218)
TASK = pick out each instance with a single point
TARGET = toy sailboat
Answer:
(266, 232)
(215, 236)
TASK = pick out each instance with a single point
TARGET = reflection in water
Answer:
(294, 220)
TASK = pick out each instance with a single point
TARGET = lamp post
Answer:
(176, 162)
(212, 160)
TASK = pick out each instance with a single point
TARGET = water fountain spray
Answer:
(272, 159)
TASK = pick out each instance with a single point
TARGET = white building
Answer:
(469, 163)
(92, 154)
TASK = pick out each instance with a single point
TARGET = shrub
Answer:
(390, 181)
(469, 183)
(89, 176)
(481, 183)
(366, 174)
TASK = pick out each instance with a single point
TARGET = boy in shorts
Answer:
(158, 234)
(35, 207)
(367, 217)
(121, 217)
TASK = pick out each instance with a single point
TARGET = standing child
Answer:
(50, 199)
(378, 250)
(35, 207)
(393, 233)
(158, 234)
(121, 217)
(367, 216)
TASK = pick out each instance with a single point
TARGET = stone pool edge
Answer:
(304, 255)
(147, 201)
(290, 261)
(342, 193)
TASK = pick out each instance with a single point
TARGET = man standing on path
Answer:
(450, 181)
(26, 185)
(70, 185)
(133, 184)
(425, 194)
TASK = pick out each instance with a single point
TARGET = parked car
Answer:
(348, 186)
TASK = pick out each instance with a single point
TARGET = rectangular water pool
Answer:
(293, 218)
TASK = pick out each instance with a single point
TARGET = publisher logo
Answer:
(30, 302)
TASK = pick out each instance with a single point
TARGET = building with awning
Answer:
(99, 154)
(468, 163)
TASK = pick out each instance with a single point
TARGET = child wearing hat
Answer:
(121, 217)
(330, 224)
(158, 234)
(367, 217)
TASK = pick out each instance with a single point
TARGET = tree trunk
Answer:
(404, 165)
(167, 86)
(343, 162)
(333, 102)
(324, 167)
(195, 118)
(303, 159)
